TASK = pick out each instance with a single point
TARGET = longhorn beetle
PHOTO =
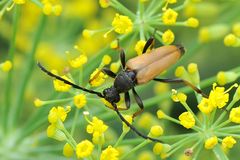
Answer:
(136, 71)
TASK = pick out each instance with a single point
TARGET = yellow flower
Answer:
(168, 37)
(178, 97)
(54, 132)
(96, 127)
(109, 153)
(87, 33)
(169, 17)
(235, 115)
(84, 149)
(57, 10)
(230, 40)
(122, 24)
(104, 3)
(79, 61)
(205, 107)
(228, 142)
(218, 96)
(114, 67)
(97, 78)
(139, 46)
(49, 8)
(60, 86)
(211, 142)
(19, 1)
(156, 131)
(192, 22)
(58, 113)
(6, 66)
(106, 59)
(187, 120)
(146, 120)
(160, 114)
(226, 77)
(38, 102)
(80, 100)
(68, 150)
(158, 148)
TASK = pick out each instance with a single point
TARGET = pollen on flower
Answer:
(169, 17)
(60, 85)
(156, 131)
(211, 142)
(78, 61)
(106, 59)
(168, 37)
(192, 22)
(97, 78)
(228, 142)
(6, 66)
(235, 115)
(68, 150)
(205, 107)
(96, 127)
(104, 3)
(109, 153)
(139, 46)
(84, 149)
(187, 120)
(122, 24)
(57, 113)
(80, 100)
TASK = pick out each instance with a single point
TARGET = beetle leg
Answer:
(199, 91)
(139, 102)
(149, 43)
(109, 72)
(122, 58)
(127, 100)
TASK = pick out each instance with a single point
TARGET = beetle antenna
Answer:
(131, 126)
(67, 82)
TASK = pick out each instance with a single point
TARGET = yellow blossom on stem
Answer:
(109, 153)
(211, 142)
(158, 148)
(160, 114)
(226, 77)
(168, 37)
(106, 59)
(97, 78)
(84, 149)
(87, 33)
(58, 113)
(187, 120)
(60, 85)
(122, 24)
(68, 150)
(139, 46)
(205, 107)
(169, 17)
(114, 67)
(235, 115)
(57, 10)
(54, 132)
(178, 97)
(104, 3)
(230, 40)
(192, 22)
(228, 142)
(38, 102)
(78, 61)
(6, 66)
(125, 128)
(156, 131)
(80, 100)
(96, 127)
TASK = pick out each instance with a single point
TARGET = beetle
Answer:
(136, 71)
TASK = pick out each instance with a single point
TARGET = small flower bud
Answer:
(226, 77)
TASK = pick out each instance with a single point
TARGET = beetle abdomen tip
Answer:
(181, 48)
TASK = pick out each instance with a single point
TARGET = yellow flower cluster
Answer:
(169, 17)
(233, 39)
(79, 61)
(109, 153)
(211, 142)
(122, 24)
(80, 100)
(6, 66)
(60, 86)
(228, 142)
(97, 78)
(235, 115)
(50, 8)
(84, 149)
(187, 120)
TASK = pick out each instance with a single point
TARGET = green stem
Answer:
(231, 129)
(223, 124)
(118, 6)
(135, 149)
(219, 153)
(74, 124)
(7, 105)
(120, 139)
(18, 108)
